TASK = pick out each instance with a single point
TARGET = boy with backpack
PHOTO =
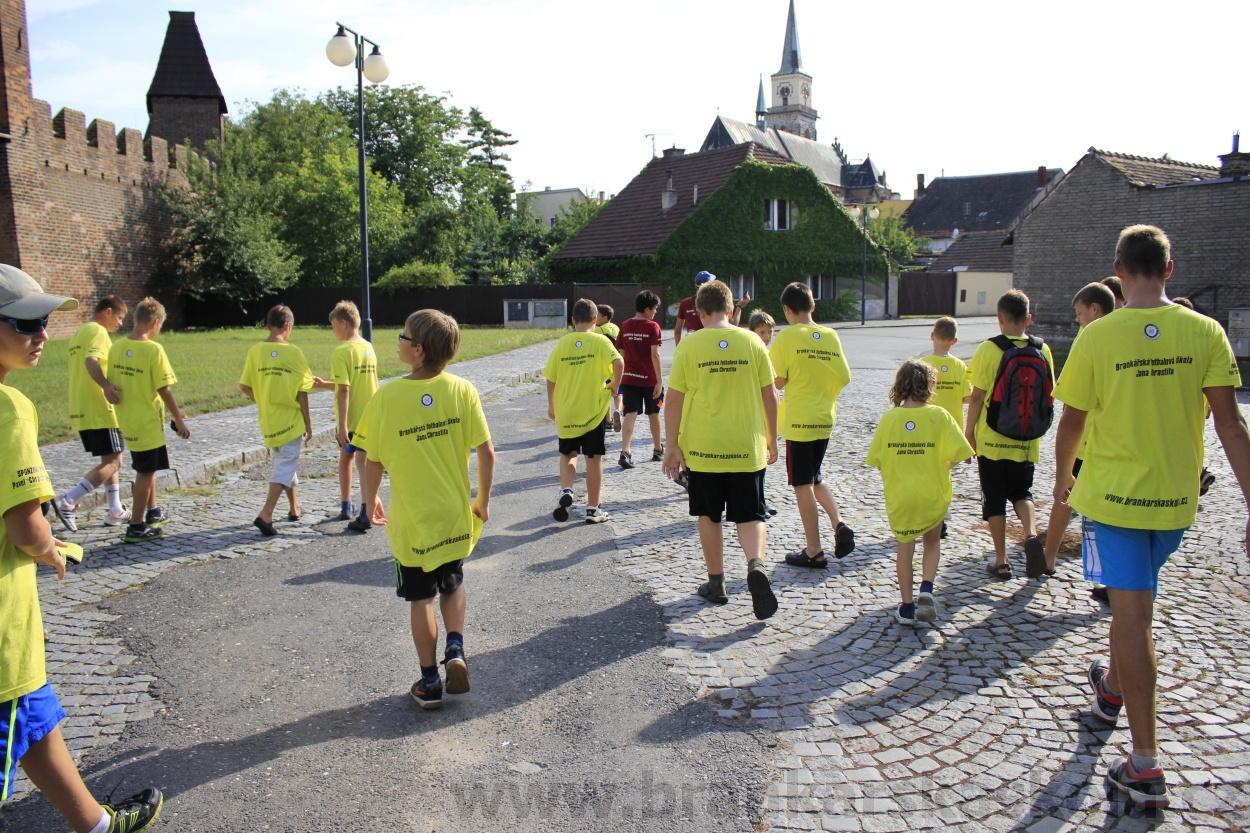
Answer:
(1009, 410)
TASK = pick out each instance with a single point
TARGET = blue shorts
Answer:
(349, 448)
(23, 723)
(1126, 559)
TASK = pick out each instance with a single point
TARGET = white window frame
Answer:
(818, 283)
(778, 215)
(741, 286)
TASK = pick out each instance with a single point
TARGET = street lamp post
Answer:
(864, 214)
(343, 50)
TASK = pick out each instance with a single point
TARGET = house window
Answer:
(777, 215)
(823, 287)
(741, 286)
(963, 295)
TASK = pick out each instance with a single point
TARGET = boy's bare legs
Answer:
(1060, 516)
(1026, 512)
(594, 479)
(345, 475)
(932, 554)
(49, 767)
(292, 500)
(753, 536)
(271, 502)
(361, 459)
(712, 542)
(568, 470)
(627, 429)
(1134, 669)
(808, 498)
(144, 493)
(105, 472)
(657, 441)
(425, 626)
(903, 566)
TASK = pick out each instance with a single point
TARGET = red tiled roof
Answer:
(978, 252)
(1141, 170)
(633, 223)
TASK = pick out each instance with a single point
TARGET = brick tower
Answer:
(184, 101)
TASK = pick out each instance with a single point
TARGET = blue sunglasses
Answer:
(27, 326)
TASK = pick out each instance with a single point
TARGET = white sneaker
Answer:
(66, 512)
(926, 608)
(597, 516)
(117, 520)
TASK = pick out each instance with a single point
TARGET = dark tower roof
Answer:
(791, 61)
(183, 70)
(761, 108)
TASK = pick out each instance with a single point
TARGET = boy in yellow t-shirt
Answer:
(1005, 465)
(354, 380)
(605, 327)
(420, 429)
(140, 371)
(721, 424)
(29, 709)
(91, 413)
(276, 376)
(915, 445)
(953, 387)
(582, 373)
(811, 370)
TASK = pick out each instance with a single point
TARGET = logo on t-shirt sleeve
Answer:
(1152, 332)
(427, 400)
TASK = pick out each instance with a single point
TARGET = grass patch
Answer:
(202, 490)
(208, 364)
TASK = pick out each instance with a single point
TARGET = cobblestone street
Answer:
(978, 723)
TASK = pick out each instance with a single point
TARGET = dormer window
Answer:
(777, 215)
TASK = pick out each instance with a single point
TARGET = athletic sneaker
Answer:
(457, 669)
(1100, 593)
(139, 812)
(1106, 706)
(561, 512)
(903, 619)
(428, 695)
(139, 533)
(67, 512)
(843, 541)
(926, 608)
(626, 461)
(155, 517)
(1147, 788)
(117, 520)
(616, 421)
(360, 524)
(763, 601)
(597, 515)
(657, 454)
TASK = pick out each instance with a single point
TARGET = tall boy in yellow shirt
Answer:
(91, 414)
(721, 425)
(1005, 465)
(1145, 370)
(276, 376)
(812, 370)
(420, 429)
(140, 371)
(583, 371)
(29, 709)
(354, 380)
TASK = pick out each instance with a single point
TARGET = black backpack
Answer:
(1020, 405)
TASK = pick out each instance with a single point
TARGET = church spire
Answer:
(791, 61)
(761, 109)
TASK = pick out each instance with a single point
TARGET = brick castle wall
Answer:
(81, 205)
(1069, 240)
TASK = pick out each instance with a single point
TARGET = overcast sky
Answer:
(965, 87)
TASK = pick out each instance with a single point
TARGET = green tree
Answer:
(572, 219)
(896, 238)
(485, 174)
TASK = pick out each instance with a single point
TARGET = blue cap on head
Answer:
(703, 277)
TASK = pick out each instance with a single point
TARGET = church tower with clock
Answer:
(792, 89)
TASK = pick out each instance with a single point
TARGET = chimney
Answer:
(601, 198)
(548, 188)
(695, 200)
(1237, 163)
(919, 186)
(673, 152)
(668, 199)
(1042, 176)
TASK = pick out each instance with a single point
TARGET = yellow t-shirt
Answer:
(982, 371)
(610, 330)
(22, 478)
(422, 431)
(914, 448)
(721, 370)
(140, 369)
(276, 373)
(354, 364)
(581, 368)
(809, 357)
(1144, 370)
(88, 409)
(952, 385)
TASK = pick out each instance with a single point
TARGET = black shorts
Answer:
(412, 584)
(638, 400)
(739, 495)
(99, 442)
(146, 462)
(1076, 467)
(592, 443)
(803, 461)
(1003, 482)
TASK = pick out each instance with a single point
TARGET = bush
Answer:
(417, 275)
(843, 308)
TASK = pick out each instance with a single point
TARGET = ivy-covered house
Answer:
(745, 213)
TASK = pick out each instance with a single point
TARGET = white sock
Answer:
(114, 493)
(590, 508)
(102, 826)
(75, 495)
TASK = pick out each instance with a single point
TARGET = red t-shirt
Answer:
(637, 337)
(687, 312)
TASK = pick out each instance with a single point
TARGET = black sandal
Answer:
(705, 590)
(1002, 572)
(291, 516)
(802, 559)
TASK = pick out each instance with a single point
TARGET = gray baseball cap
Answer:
(21, 296)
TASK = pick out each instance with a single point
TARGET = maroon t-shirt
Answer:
(688, 313)
(637, 337)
